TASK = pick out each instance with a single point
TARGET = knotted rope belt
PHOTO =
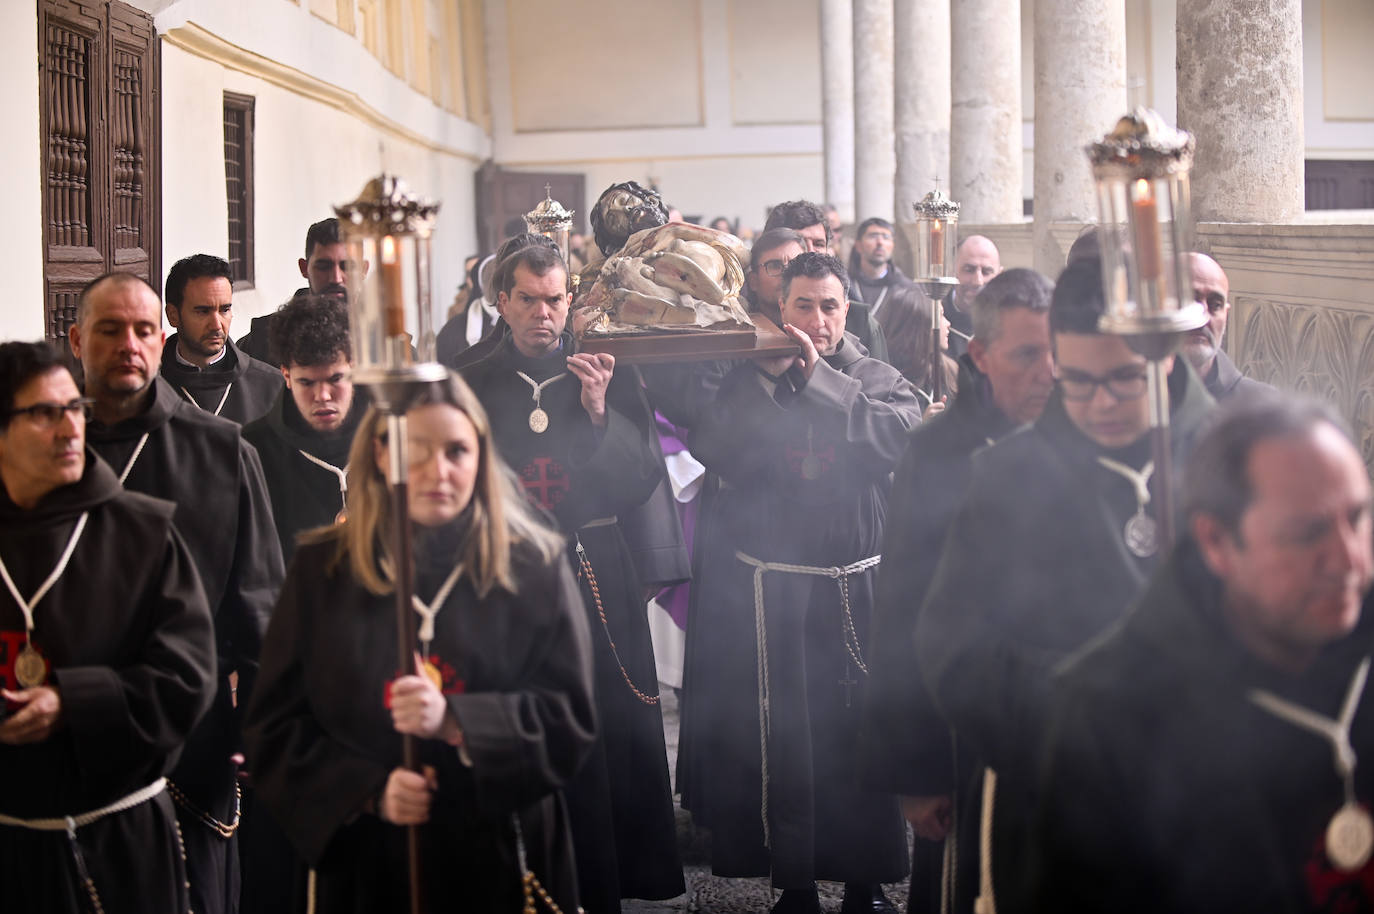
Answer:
(70, 824)
(840, 574)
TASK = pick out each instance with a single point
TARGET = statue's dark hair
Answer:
(610, 230)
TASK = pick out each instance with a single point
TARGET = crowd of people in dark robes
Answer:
(933, 630)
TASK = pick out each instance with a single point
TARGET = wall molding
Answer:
(203, 43)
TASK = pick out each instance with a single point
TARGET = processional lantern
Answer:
(937, 239)
(1145, 234)
(387, 234)
(554, 221)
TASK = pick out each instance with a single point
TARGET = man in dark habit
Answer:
(804, 447)
(1005, 380)
(1053, 541)
(200, 361)
(1202, 347)
(160, 445)
(1213, 753)
(106, 662)
(303, 440)
(580, 435)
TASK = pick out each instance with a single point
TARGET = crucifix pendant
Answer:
(848, 682)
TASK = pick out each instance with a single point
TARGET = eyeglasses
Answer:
(775, 267)
(1123, 384)
(49, 415)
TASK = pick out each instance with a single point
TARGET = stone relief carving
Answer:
(1322, 351)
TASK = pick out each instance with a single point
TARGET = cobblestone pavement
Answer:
(707, 894)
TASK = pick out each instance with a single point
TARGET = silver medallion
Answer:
(811, 467)
(1142, 535)
(30, 668)
(539, 421)
(1350, 838)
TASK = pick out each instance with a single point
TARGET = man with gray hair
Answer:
(1211, 753)
(1202, 347)
(1005, 379)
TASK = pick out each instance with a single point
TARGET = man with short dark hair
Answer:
(898, 305)
(809, 220)
(1202, 347)
(106, 662)
(325, 267)
(303, 441)
(200, 361)
(163, 446)
(1053, 541)
(779, 627)
(580, 435)
(1212, 754)
(1005, 380)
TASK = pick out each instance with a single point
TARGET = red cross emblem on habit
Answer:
(546, 482)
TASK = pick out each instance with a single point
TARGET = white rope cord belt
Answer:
(986, 903)
(72, 823)
(836, 572)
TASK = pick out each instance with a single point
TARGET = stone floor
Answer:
(707, 894)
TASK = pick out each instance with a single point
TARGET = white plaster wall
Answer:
(21, 230)
(309, 156)
(310, 152)
(723, 166)
(1330, 139)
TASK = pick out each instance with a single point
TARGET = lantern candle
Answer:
(937, 249)
(392, 297)
(1147, 241)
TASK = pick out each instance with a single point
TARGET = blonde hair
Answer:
(501, 516)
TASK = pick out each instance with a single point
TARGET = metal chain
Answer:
(218, 827)
(851, 637)
(585, 571)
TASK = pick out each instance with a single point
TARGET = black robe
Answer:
(516, 673)
(304, 494)
(1224, 380)
(202, 464)
(1035, 566)
(845, 427)
(1167, 791)
(905, 746)
(904, 320)
(130, 647)
(621, 803)
(238, 387)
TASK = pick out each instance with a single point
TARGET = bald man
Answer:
(975, 262)
(1202, 347)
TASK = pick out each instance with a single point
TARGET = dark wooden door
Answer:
(100, 122)
(505, 196)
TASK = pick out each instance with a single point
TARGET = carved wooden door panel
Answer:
(504, 196)
(100, 123)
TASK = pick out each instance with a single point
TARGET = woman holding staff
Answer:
(500, 695)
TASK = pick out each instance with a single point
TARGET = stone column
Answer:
(1080, 93)
(837, 104)
(875, 158)
(921, 43)
(985, 119)
(1240, 94)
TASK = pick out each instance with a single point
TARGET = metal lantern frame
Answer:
(552, 220)
(937, 243)
(387, 229)
(1141, 171)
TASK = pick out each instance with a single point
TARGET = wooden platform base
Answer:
(657, 347)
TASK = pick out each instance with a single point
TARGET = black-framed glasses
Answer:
(49, 415)
(1123, 384)
(775, 267)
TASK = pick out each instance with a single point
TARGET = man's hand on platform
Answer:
(594, 370)
(35, 720)
(930, 817)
